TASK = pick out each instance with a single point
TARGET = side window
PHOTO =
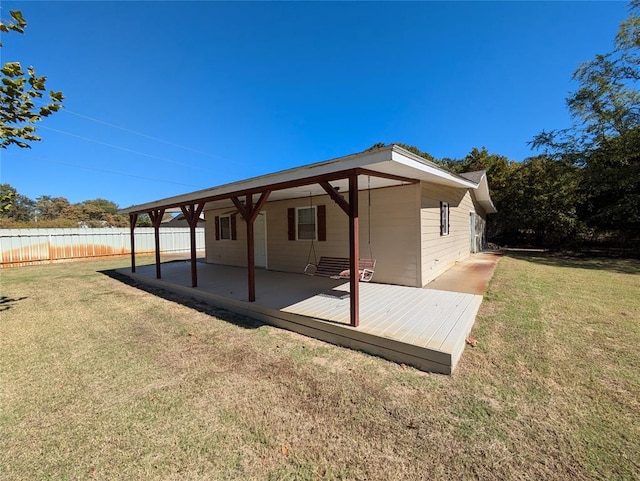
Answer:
(444, 218)
(225, 227)
(306, 224)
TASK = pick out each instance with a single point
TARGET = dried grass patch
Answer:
(100, 380)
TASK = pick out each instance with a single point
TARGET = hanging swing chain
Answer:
(369, 207)
(312, 248)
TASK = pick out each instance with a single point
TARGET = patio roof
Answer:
(383, 167)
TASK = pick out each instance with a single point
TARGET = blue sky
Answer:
(187, 95)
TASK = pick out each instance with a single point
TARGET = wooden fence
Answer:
(39, 246)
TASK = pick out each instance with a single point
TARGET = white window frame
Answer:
(315, 216)
(230, 234)
(444, 218)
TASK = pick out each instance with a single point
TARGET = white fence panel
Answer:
(37, 246)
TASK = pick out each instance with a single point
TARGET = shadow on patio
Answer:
(422, 327)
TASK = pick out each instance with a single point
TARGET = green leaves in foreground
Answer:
(19, 94)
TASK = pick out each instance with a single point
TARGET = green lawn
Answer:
(100, 379)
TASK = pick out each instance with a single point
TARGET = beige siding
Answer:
(394, 230)
(228, 252)
(395, 227)
(439, 252)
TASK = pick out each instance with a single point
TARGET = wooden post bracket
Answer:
(156, 216)
(249, 212)
(192, 215)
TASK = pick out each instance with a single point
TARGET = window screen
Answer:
(225, 227)
(306, 223)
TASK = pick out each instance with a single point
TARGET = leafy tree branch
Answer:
(19, 92)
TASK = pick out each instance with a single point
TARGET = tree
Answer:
(21, 210)
(411, 148)
(499, 170)
(18, 94)
(538, 204)
(496, 166)
(103, 205)
(18, 211)
(7, 195)
(604, 140)
(14, 206)
(52, 208)
(611, 186)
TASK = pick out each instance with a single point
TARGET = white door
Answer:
(260, 240)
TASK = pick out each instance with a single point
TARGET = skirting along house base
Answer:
(414, 218)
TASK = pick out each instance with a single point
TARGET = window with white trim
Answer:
(444, 218)
(306, 223)
(225, 227)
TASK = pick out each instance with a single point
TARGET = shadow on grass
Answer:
(191, 302)
(6, 303)
(576, 260)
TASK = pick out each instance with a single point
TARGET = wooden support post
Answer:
(156, 219)
(133, 219)
(249, 212)
(251, 264)
(354, 251)
(192, 215)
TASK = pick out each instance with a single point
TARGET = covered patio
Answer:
(422, 327)
(425, 328)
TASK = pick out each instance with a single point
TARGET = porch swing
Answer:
(338, 267)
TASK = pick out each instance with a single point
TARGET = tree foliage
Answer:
(604, 140)
(538, 205)
(19, 93)
(48, 211)
(15, 206)
(7, 196)
(411, 148)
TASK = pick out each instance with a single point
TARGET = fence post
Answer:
(50, 251)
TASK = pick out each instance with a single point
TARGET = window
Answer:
(444, 218)
(225, 227)
(306, 223)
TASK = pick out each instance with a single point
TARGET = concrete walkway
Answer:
(470, 276)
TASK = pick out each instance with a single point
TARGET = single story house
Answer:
(414, 230)
(180, 220)
(414, 218)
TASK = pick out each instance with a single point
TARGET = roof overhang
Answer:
(383, 167)
(481, 192)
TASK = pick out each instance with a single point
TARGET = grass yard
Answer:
(100, 379)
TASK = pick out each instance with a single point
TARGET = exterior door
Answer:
(260, 240)
(473, 245)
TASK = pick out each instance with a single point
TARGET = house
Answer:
(410, 215)
(415, 218)
(180, 220)
(414, 229)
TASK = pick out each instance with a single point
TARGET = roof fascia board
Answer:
(412, 160)
(360, 163)
(325, 170)
(484, 197)
(190, 199)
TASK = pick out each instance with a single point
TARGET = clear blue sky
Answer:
(226, 91)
